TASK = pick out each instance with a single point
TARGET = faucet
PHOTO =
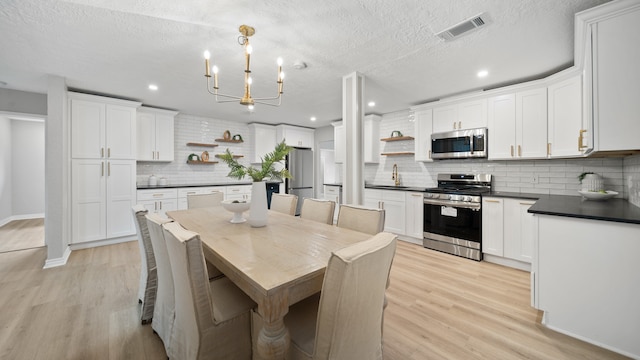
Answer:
(394, 174)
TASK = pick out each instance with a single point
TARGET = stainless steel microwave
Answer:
(461, 144)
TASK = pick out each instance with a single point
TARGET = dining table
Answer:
(276, 265)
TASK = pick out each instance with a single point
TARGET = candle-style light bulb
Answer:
(207, 55)
(281, 76)
(249, 49)
(250, 81)
(215, 70)
(215, 77)
(279, 61)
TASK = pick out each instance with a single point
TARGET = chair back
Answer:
(195, 201)
(363, 219)
(164, 309)
(148, 272)
(318, 210)
(192, 294)
(351, 303)
(284, 203)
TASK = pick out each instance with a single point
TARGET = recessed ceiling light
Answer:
(482, 73)
(371, 103)
(313, 118)
(153, 87)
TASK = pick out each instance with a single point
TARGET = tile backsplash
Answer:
(631, 166)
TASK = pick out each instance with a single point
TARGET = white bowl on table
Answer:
(597, 195)
(237, 207)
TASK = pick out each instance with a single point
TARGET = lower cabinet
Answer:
(393, 202)
(508, 230)
(159, 201)
(414, 205)
(333, 193)
(103, 192)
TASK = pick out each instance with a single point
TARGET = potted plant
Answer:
(591, 181)
(267, 170)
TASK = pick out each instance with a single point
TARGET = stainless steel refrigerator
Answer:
(300, 165)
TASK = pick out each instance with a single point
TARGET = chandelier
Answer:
(246, 32)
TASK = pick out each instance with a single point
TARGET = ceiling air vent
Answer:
(464, 27)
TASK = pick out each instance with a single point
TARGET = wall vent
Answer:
(464, 27)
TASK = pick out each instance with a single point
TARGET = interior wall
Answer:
(23, 102)
(27, 169)
(5, 170)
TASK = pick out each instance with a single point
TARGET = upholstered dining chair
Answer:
(284, 203)
(363, 219)
(148, 273)
(318, 210)
(345, 320)
(212, 317)
(164, 309)
(195, 201)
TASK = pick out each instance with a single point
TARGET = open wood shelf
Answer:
(198, 162)
(397, 138)
(201, 144)
(400, 153)
(229, 141)
(234, 156)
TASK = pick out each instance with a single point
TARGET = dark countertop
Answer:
(173, 186)
(393, 187)
(333, 184)
(515, 195)
(616, 210)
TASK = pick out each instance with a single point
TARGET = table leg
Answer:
(273, 340)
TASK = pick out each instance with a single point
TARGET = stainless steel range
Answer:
(453, 214)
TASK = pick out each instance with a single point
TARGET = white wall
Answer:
(5, 170)
(27, 169)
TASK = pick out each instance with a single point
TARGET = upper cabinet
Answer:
(295, 136)
(565, 120)
(155, 134)
(518, 125)
(264, 141)
(423, 124)
(466, 115)
(616, 78)
(102, 127)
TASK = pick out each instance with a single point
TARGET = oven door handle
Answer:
(455, 204)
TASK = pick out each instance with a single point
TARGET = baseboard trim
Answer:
(5, 221)
(105, 242)
(410, 239)
(516, 264)
(61, 261)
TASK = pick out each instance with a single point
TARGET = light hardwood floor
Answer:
(440, 307)
(22, 234)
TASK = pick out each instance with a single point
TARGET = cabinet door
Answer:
(423, 125)
(120, 197)
(88, 209)
(164, 138)
(120, 122)
(371, 139)
(520, 230)
(264, 141)
(393, 204)
(565, 117)
(414, 205)
(445, 118)
(339, 143)
(146, 137)
(531, 124)
(502, 126)
(492, 226)
(87, 129)
(472, 114)
(333, 193)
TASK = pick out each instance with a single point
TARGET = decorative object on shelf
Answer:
(258, 208)
(597, 195)
(153, 181)
(226, 135)
(162, 181)
(194, 157)
(237, 207)
(205, 156)
(246, 32)
(591, 181)
(396, 133)
(237, 137)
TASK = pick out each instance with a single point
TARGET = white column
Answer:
(352, 118)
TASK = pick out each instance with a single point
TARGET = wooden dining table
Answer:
(276, 265)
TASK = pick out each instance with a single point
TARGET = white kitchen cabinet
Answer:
(493, 226)
(154, 134)
(103, 192)
(414, 210)
(186, 191)
(565, 118)
(102, 127)
(371, 139)
(334, 193)
(238, 192)
(517, 125)
(616, 79)
(295, 136)
(466, 115)
(264, 141)
(158, 201)
(423, 125)
(339, 142)
(393, 202)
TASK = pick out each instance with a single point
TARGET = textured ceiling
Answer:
(119, 47)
